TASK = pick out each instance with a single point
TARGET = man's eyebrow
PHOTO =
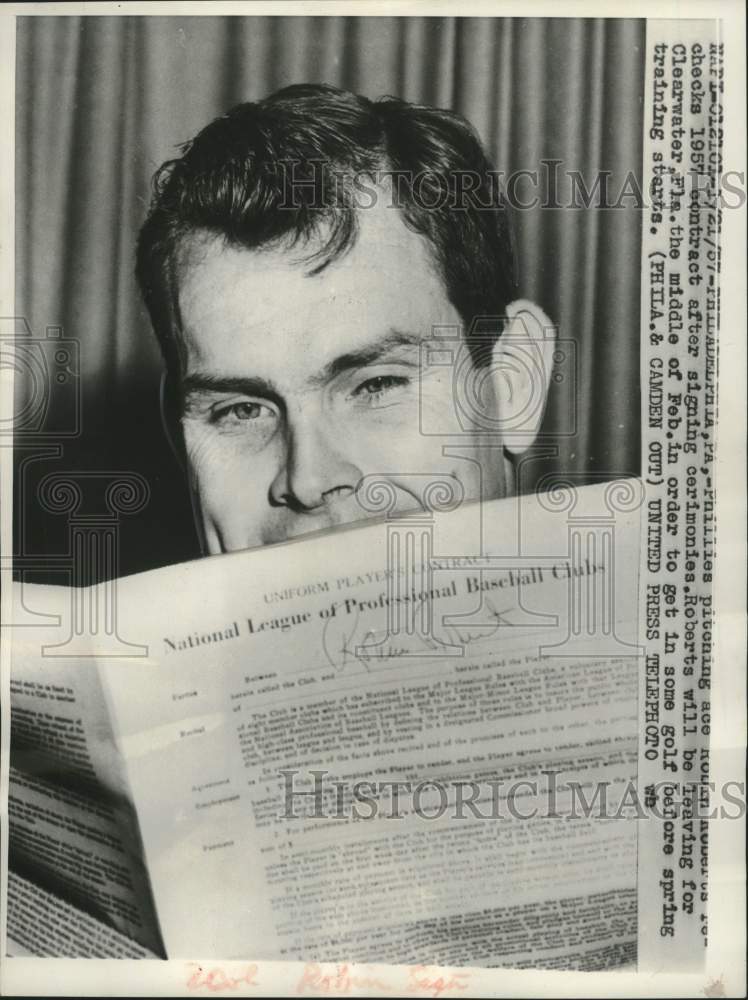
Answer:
(245, 385)
(250, 385)
(367, 354)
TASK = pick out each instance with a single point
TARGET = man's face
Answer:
(297, 386)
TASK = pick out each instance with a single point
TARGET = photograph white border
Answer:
(725, 962)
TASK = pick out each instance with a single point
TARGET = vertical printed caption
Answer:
(680, 311)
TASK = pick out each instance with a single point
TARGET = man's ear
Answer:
(521, 365)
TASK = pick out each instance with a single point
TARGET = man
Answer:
(300, 262)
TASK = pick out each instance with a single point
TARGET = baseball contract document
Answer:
(432, 760)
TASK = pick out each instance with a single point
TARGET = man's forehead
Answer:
(386, 279)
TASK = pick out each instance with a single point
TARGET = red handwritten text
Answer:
(216, 980)
(421, 981)
(339, 982)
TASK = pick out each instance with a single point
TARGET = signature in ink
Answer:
(342, 646)
(461, 636)
(339, 643)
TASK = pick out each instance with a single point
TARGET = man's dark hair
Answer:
(295, 165)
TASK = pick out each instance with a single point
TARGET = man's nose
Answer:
(314, 470)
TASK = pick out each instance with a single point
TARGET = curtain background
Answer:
(102, 101)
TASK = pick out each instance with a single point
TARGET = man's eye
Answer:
(243, 412)
(376, 388)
